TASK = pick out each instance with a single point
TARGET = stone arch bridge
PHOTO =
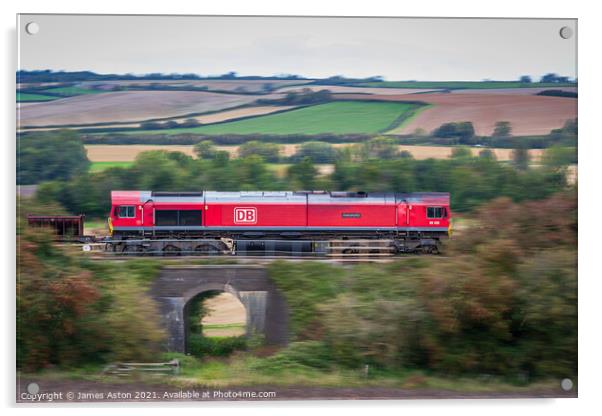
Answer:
(176, 286)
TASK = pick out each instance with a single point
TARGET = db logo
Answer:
(245, 215)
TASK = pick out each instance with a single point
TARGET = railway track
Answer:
(343, 250)
(261, 260)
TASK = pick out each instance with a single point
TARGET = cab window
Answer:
(126, 211)
(435, 212)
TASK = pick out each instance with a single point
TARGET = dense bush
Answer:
(71, 313)
(49, 156)
(202, 346)
(503, 302)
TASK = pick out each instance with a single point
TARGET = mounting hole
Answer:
(566, 32)
(566, 384)
(32, 28)
(33, 388)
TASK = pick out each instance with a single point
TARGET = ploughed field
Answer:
(127, 106)
(231, 107)
(528, 114)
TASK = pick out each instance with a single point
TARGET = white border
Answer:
(590, 207)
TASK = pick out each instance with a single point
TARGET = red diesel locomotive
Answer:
(410, 220)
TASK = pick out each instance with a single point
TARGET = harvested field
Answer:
(205, 119)
(477, 85)
(512, 91)
(528, 114)
(127, 153)
(127, 106)
(238, 113)
(227, 316)
(341, 89)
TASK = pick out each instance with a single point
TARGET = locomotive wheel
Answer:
(207, 249)
(171, 250)
(430, 249)
(132, 249)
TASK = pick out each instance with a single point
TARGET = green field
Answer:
(72, 91)
(463, 84)
(23, 97)
(336, 117)
(100, 166)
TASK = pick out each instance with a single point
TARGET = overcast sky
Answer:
(396, 48)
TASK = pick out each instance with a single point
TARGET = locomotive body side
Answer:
(279, 214)
(231, 211)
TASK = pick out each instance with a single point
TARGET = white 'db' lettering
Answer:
(245, 215)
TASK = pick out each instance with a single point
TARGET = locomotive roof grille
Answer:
(177, 194)
(349, 195)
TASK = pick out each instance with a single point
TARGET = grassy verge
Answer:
(100, 166)
(245, 370)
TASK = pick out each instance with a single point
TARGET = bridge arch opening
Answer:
(216, 323)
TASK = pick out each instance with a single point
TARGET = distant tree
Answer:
(267, 87)
(557, 157)
(303, 174)
(525, 79)
(318, 152)
(303, 97)
(487, 154)
(502, 129)
(190, 122)
(521, 158)
(420, 132)
(551, 77)
(229, 75)
(463, 130)
(151, 125)
(270, 152)
(50, 156)
(378, 148)
(171, 124)
(205, 150)
(461, 152)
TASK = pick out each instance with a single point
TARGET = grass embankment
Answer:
(335, 117)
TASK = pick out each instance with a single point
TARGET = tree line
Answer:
(448, 134)
(472, 180)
